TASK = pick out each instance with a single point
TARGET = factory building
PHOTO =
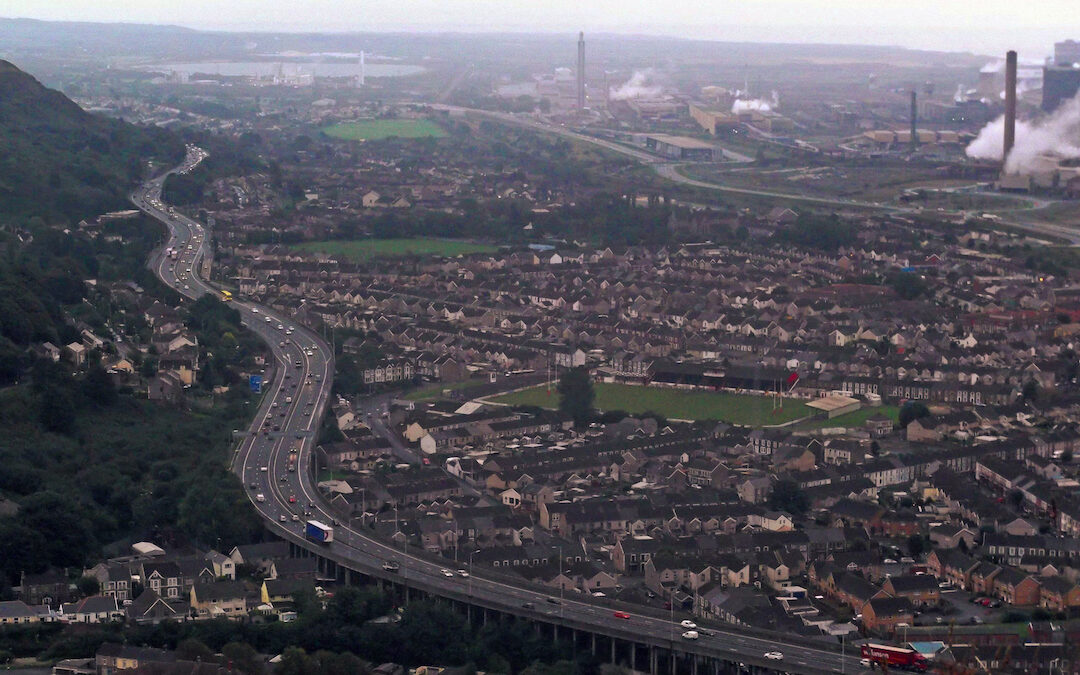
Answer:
(680, 147)
(1060, 83)
(768, 121)
(713, 120)
(1061, 75)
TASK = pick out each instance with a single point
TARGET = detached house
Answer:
(94, 609)
(219, 599)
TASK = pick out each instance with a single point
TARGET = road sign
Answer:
(255, 382)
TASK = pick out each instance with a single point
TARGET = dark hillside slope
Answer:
(61, 163)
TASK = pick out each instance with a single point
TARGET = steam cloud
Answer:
(758, 104)
(640, 85)
(1057, 134)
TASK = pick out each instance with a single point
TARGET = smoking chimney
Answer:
(1010, 104)
(581, 71)
(914, 121)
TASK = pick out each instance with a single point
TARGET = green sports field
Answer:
(742, 409)
(374, 130)
(364, 249)
(435, 391)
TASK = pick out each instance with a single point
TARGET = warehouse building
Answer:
(680, 147)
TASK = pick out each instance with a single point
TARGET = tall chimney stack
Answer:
(914, 121)
(581, 71)
(1010, 105)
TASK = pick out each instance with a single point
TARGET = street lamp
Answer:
(843, 656)
(471, 554)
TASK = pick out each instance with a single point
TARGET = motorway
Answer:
(274, 458)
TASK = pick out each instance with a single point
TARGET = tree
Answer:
(1066, 456)
(88, 586)
(911, 411)
(57, 411)
(1030, 392)
(192, 649)
(99, 387)
(243, 658)
(576, 394)
(1016, 498)
(788, 496)
(295, 661)
(916, 545)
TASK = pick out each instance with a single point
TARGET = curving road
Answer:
(669, 170)
(274, 461)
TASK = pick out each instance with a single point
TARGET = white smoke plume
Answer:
(642, 84)
(1058, 134)
(758, 104)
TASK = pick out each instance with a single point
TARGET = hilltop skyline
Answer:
(919, 24)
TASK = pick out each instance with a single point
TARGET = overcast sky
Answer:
(983, 26)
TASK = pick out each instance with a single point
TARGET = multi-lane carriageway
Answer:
(303, 371)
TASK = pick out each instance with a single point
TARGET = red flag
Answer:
(792, 379)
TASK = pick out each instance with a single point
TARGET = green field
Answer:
(435, 391)
(374, 130)
(854, 419)
(364, 249)
(739, 409)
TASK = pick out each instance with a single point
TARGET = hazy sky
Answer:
(984, 26)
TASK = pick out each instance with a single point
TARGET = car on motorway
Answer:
(688, 624)
(774, 656)
(280, 327)
(295, 518)
(446, 573)
(268, 320)
(620, 615)
(391, 566)
(463, 574)
(260, 498)
(553, 601)
(528, 605)
(253, 486)
(292, 499)
(690, 635)
(282, 518)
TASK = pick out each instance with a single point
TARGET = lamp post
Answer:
(562, 584)
(843, 664)
(471, 554)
